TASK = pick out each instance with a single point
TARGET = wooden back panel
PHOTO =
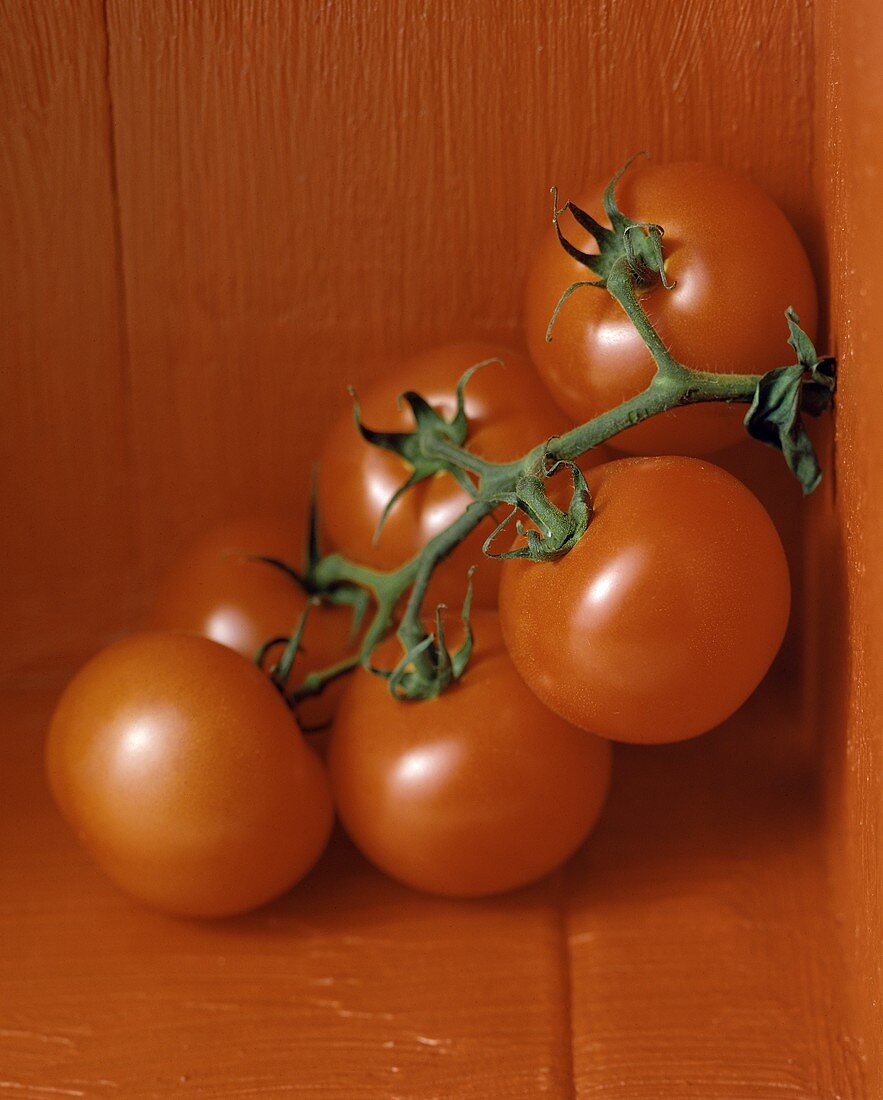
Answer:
(66, 498)
(220, 213)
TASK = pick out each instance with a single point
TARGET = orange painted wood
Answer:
(214, 215)
(66, 554)
(702, 943)
(846, 639)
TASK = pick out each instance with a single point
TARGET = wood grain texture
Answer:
(66, 553)
(846, 639)
(703, 950)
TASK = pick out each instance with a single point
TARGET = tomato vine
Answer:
(631, 258)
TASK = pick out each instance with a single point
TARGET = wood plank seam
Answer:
(566, 979)
(125, 359)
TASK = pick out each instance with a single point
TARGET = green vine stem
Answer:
(631, 257)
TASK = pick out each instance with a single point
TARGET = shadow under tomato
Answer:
(694, 815)
(344, 893)
(676, 815)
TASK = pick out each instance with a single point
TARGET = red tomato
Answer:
(509, 412)
(185, 776)
(737, 264)
(215, 591)
(476, 792)
(665, 616)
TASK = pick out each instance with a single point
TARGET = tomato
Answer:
(508, 411)
(665, 616)
(215, 591)
(476, 792)
(737, 264)
(185, 776)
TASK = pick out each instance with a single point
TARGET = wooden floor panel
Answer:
(696, 915)
(703, 962)
(350, 987)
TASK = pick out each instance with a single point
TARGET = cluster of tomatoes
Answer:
(180, 764)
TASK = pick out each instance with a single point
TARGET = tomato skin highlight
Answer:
(665, 616)
(185, 776)
(474, 793)
(214, 591)
(509, 411)
(737, 264)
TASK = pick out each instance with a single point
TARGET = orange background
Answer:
(216, 214)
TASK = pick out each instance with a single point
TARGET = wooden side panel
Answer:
(848, 532)
(307, 188)
(65, 548)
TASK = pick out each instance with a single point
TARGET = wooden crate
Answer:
(213, 215)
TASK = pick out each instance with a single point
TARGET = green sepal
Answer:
(283, 567)
(404, 444)
(460, 659)
(643, 250)
(444, 670)
(281, 671)
(412, 446)
(497, 531)
(618, 220)
(774, 419)
(819, 386)
(774, 416)
(459, 423)
(403, 681)
(595, 263)
(559, 305)
(263, 649)
(352, 595)
(312, 551)
(355, 597)
(407, 682)
(418, 474)
(312, 545)
(558, 531)
(639, 242)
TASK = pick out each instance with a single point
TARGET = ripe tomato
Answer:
(185, 776)
(215, 591)
(737, 264)
(476, 792)
(665, 616)
(508, 411)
